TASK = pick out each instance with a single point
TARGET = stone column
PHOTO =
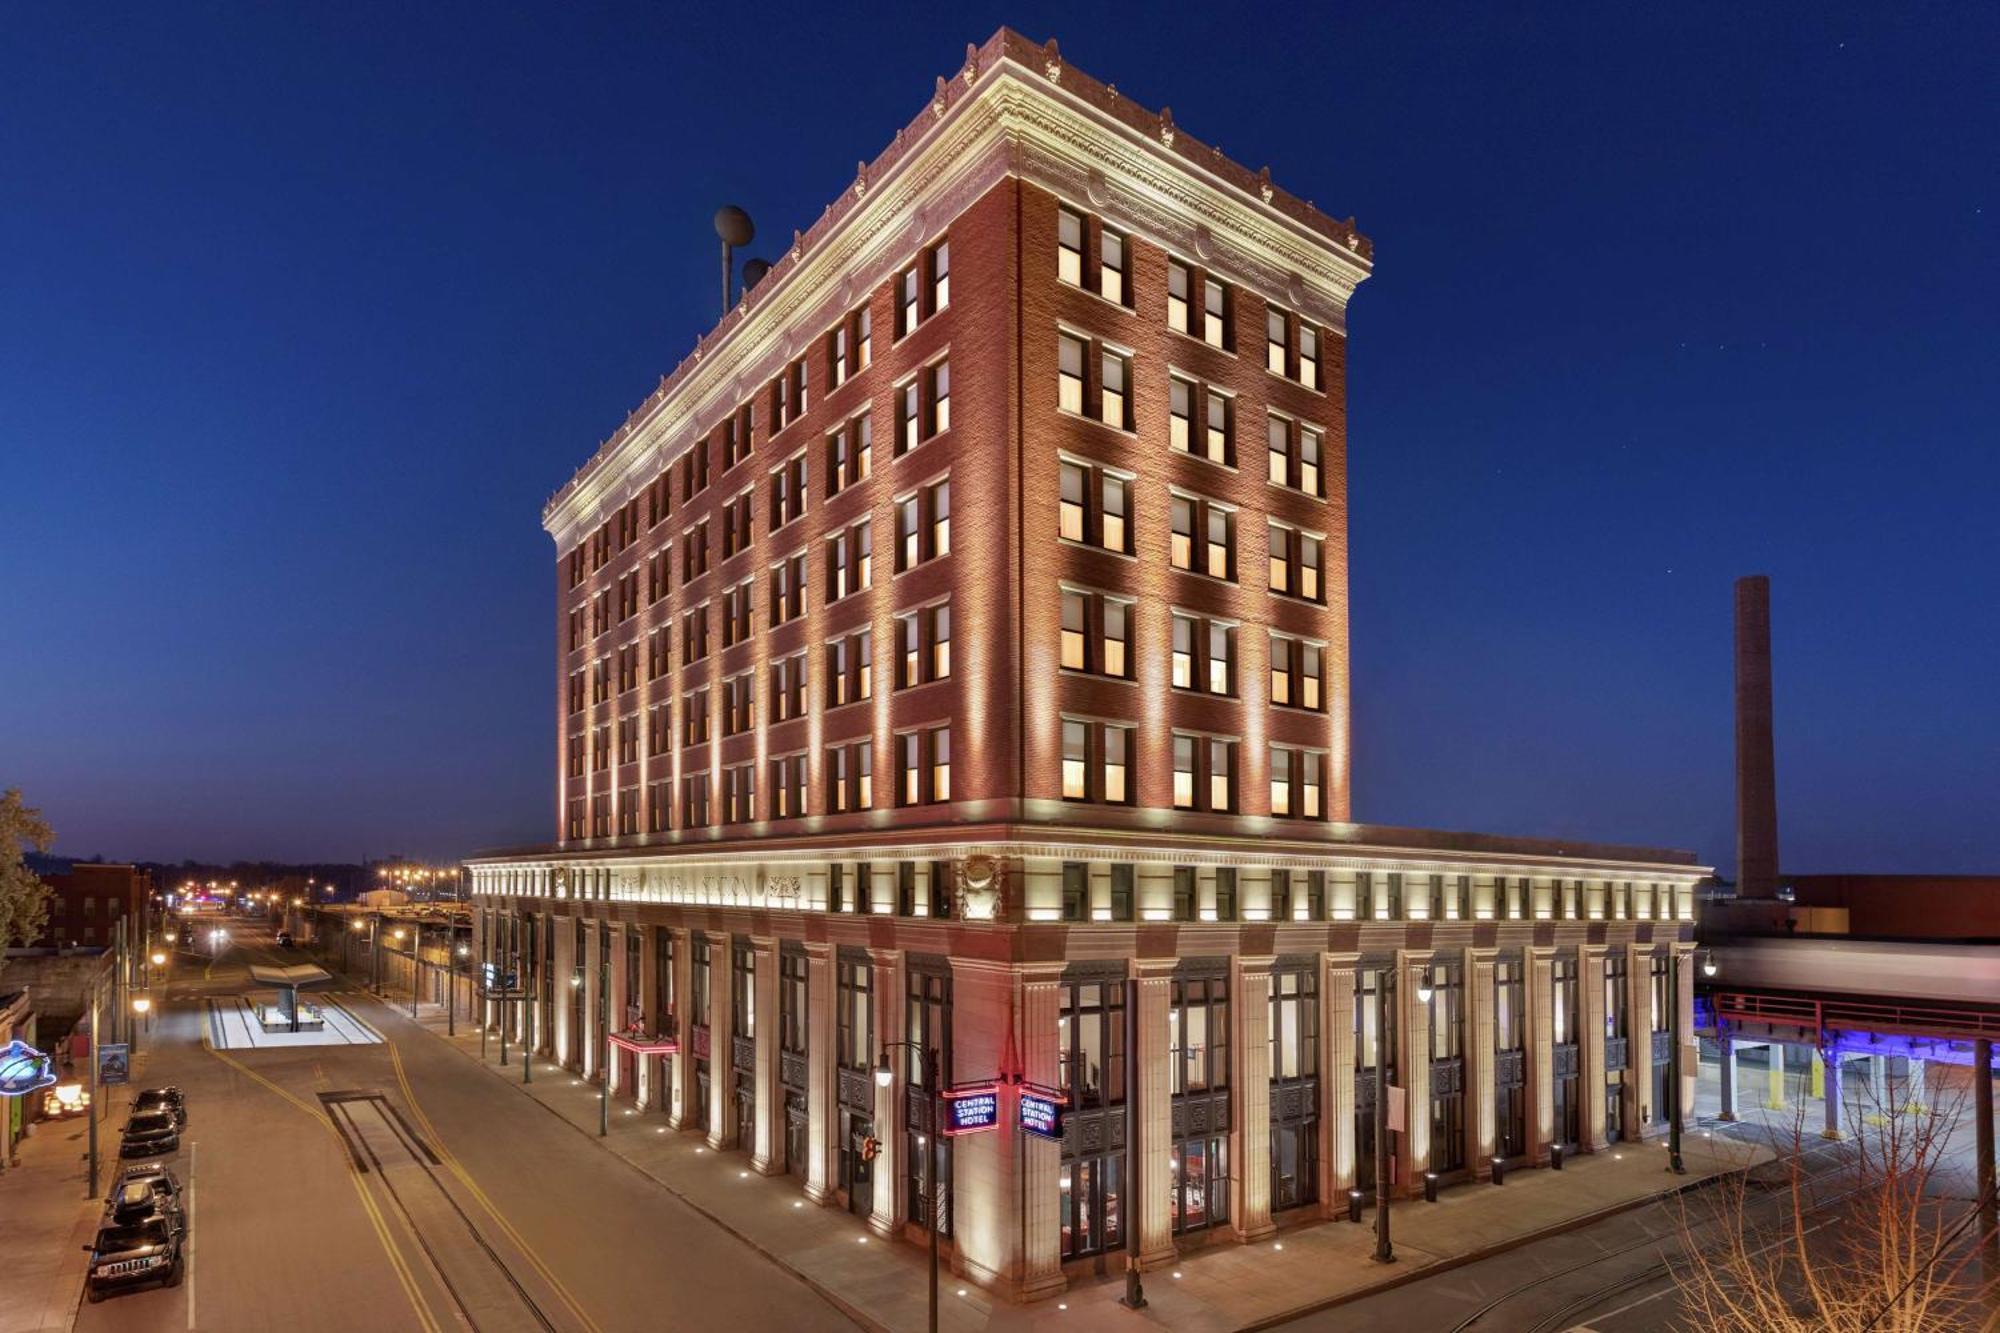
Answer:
(1155, 1116)
(1638, 1089)
(1250, 1113)
(648, 1092)
(680, 1106)
(1541, 993)
(614, 1065)
(986, 1190)
(566, 961)
(1725, 1049)
(1483, 1123)
(1336, 1083)
(721, 1042)
(1414, 1058)
(1041, 1159)
(588, 1043)
(888, 1178)
(821, 1034)
(1590, 1052)
(1688, 1066)
(766, 1158)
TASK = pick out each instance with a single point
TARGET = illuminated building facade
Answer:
(954, 650)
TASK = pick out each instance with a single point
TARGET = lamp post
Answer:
(603, 1034)
(884, 1076)
(1135, 1284)
(96, 1040)
(451, 990)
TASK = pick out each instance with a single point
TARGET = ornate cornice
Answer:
(1013, 110)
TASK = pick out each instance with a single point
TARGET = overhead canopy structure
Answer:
(286, 981)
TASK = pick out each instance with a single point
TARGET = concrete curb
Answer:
(831, 1297)
(1468, 1257)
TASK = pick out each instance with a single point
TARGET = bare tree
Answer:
(1874, 1245)
(24, 899)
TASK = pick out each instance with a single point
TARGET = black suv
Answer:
(141, 1193)
(167, 1099)
(132, 1255)
(284, 939)
(150, 1132)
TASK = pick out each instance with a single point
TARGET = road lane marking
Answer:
(472, 1186)
(368, 1205)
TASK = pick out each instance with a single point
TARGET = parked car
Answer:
(142, 1192)
(284, 939)
(148, 1133)
(168, 1099)
(134, 1255)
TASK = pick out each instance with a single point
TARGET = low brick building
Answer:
(946, 676)
(87, 900)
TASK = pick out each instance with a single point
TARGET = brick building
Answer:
(86, 901)
(953, 650)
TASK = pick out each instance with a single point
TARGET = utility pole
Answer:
(96, 1093)
(604, 1033)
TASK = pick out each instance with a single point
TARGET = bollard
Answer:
(1499, 1170)
(1354, 1198)
(1556, 1156)
(1430, 1187)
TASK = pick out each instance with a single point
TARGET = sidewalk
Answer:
(882, 1284)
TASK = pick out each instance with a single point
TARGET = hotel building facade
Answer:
(944, 676)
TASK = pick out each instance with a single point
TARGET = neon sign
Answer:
(23, 1069)
(970, 1109)
(1042, 1110)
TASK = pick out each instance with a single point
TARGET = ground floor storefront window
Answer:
(1200, 1183)
(1090, 1205)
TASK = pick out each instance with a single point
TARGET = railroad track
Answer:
(1560, 1317)
(482, 1287)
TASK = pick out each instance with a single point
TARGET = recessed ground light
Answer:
(1618, 1157)
(1278, 1245)
(1177, 1274)
(861, 1240)
(1062, 1305)
(700, 1149)
(961, 1291)
(743, 1175)
(660, 1130)
(798, 1203)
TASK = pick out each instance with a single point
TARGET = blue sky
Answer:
(303, 314)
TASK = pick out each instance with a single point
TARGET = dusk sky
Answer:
(305, 311)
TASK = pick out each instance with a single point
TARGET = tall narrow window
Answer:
(1069, 247)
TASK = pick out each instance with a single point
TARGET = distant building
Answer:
(953, 653)
(1948, 907)
(86, 900)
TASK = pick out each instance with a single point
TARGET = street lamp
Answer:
(884, 1076)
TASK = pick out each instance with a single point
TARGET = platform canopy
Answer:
(299, 974)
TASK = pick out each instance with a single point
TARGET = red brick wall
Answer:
(1910, 906)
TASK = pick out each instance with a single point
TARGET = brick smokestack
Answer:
(1756, 770)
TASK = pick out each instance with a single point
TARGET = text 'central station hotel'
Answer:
(952, 666)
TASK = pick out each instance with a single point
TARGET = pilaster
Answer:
(648, 1091)
(565, 1005)
(721, 1043)
(1155, 1116)
(985, 1183)
(765, 1158)
(1041, 1192)
(1483, 1123)
(1590, 1052)
(1336, 1082)
(1250, 1077)
(889, 1210)
(1540, 981)
(680, 1106)
(1414, 1049)
(820, 1038)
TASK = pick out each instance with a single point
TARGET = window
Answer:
(1204, 773)
(1294, 1024)
(739, 791)
(1096, 761)
(694, 717)
(1203, 655)
(736, 525)
(1298, 782)
(1201, 421)
(1090, 1036)
(694, 634)
(923, 407)
(1094, 506)
(924, 764)
(788, 589)
(694, 551)
(1122, 877)
(1280, 358)
(927, 1003)
(924, 288)
(1297, 671)
(848, 454)
(849, 675)
(1202, 537)
(1096, 633)
(658, 575)
(788, 787)
(1198, 1035)
(1069, 247)
(694, 470)
(694, 801)
(659, 730)
(1297, 563)
(847, 348)
(850, 783)
(849, 561)
(738, 695)
(923, 525)
(923, 645)
(1226, 903)
(788, 491)
(1294, 451)
(788, 397)
(1107, 396)
(628, 739)
(576, 567)
(1113, 281)
(659, 809)
(1198, 305)
(788, 688)
(576, 747)
(736, 613)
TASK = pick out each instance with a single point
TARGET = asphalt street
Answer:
(388, 1187)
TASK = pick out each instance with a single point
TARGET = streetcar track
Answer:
(341, 1110)
(1597, 1296)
